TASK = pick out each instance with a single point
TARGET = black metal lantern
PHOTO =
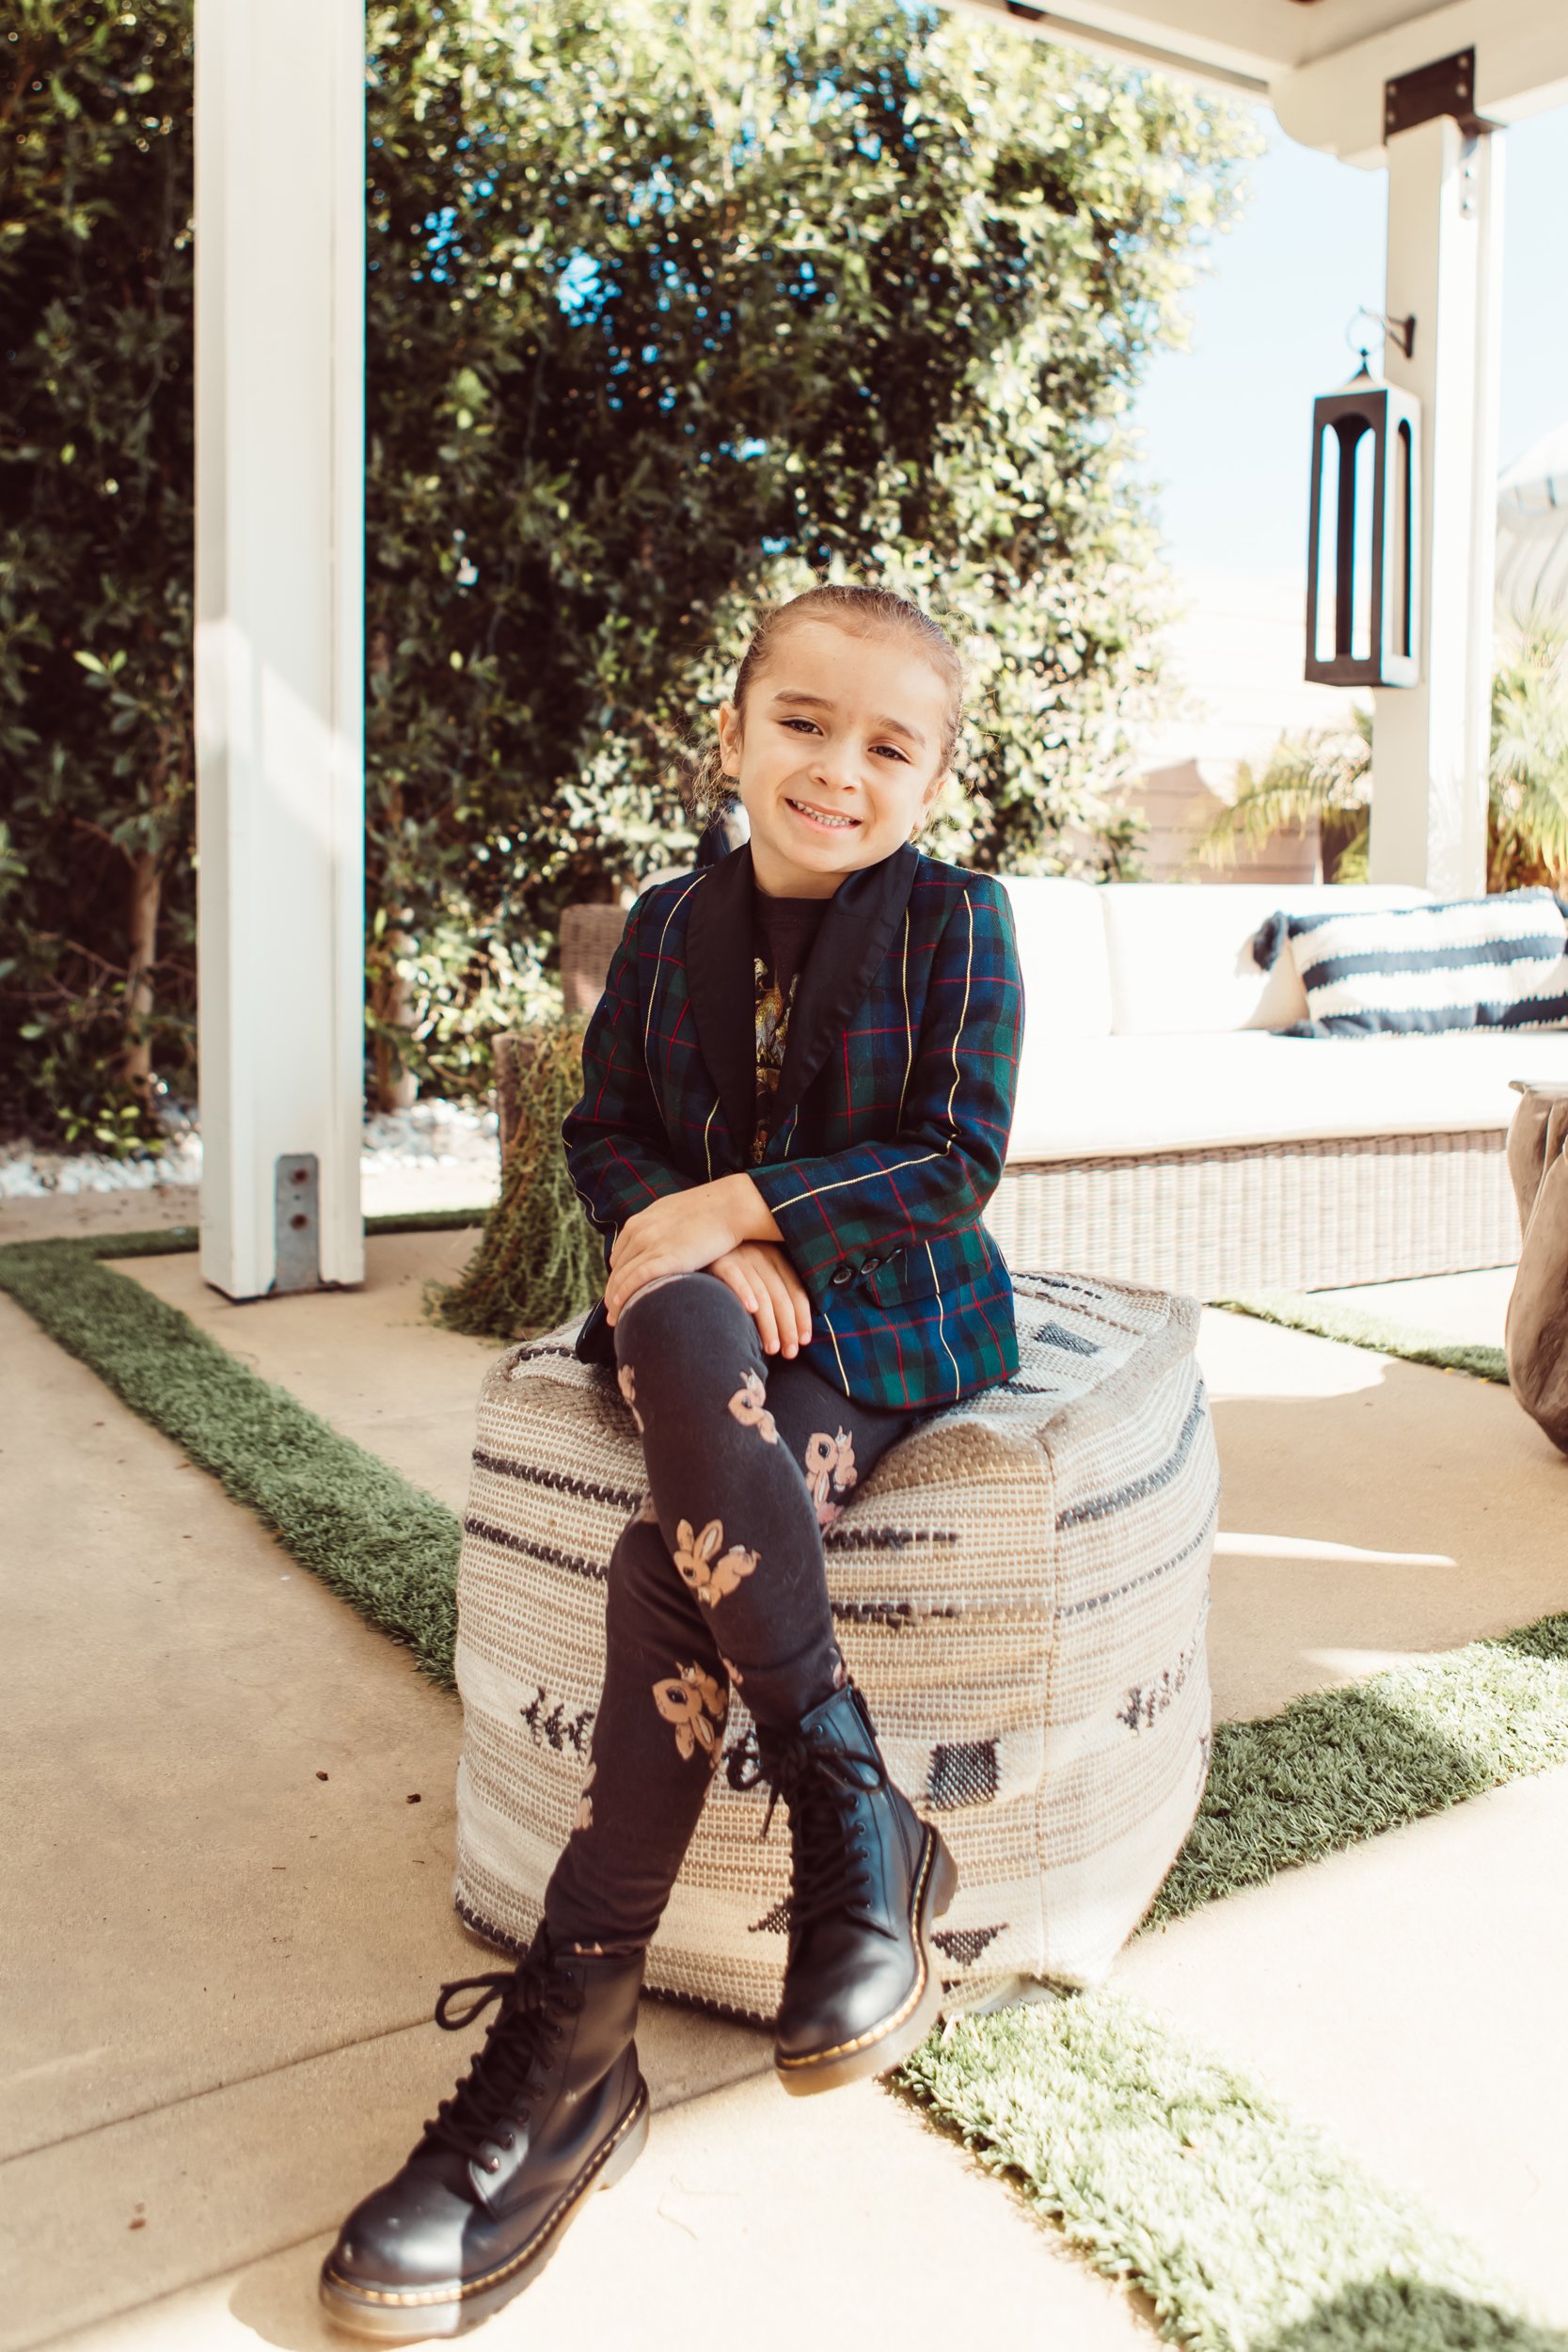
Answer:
(1363, 560)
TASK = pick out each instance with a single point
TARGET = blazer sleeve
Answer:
(617, 1149)
(936, 1174)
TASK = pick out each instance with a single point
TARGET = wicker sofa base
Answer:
(1311, 1215)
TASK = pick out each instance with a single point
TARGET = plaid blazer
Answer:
(888, 1128)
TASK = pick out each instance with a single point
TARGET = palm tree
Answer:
(1326, 773)
(1322, 774)
(1529, 832)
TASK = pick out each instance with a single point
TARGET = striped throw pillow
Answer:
(1468, 963)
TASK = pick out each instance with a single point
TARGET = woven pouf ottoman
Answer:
(1020, 1590)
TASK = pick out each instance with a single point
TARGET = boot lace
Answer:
(831, 1874)
(492, 2097)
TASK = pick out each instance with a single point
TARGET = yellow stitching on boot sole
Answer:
(423, 2297)
(911, 2000)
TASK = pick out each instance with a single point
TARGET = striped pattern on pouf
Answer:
(1463, 963)
(1021, 1589)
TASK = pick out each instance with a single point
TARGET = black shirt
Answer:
(784, 931)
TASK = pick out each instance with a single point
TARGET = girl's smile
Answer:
(838, 755)
(820, 817)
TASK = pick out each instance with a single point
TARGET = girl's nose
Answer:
(834, 768)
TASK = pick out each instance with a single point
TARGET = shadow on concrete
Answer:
(277, 2300)
(1411, 1512)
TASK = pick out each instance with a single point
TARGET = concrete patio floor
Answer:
(217, 2039)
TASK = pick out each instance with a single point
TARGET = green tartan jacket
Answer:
(888, 1128)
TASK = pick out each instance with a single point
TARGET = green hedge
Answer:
(668, 307)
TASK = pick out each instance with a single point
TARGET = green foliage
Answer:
(1528, 839)
(1322, 774)
(672, 305)
(539, 1261)
(725, 298)
(97, 894)
(1327, 773)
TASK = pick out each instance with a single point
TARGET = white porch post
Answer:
(280, 377)
(1431, 741)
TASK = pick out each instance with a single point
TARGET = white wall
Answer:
(1235, 674)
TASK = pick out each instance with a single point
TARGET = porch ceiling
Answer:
(1322, 64)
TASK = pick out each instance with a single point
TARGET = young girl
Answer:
(797, 1092)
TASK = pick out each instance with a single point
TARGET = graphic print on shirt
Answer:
(774, 1006)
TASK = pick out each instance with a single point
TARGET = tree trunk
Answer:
(147, 884)
(395, 1086)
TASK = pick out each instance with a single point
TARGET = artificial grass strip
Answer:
(1301, 1311)
(161, 1241)
(382, 1544)
(428, 1221)
(177, 1241)
(1338, 1766)
(1249, 2231)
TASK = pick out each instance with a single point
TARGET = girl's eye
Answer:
(811, 727)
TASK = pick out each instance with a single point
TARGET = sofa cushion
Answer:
(1180, 953)
(1117, 1097)
(1496, 962)
(1061, 950)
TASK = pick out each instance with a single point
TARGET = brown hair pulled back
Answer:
(864, 613)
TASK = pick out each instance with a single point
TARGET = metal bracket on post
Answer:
(1447, 86)
(297, 1222)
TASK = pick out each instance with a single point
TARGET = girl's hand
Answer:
(679, 1233)
(763, 1278)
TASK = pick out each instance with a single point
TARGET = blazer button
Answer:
(840, 1275)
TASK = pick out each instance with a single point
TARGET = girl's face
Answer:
(839, 757)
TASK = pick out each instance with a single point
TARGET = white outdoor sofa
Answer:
(1162, 1136)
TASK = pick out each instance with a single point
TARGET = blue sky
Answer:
(1227, 425)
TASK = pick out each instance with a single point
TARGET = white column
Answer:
(280, 406)
(1431, 741)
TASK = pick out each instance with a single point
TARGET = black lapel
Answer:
(720, 985)
(857, 931)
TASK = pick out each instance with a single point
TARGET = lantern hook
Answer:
(1403, 332)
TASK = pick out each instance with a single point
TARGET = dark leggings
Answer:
(719, 1581)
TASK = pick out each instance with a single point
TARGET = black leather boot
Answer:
(861, 1988)
(552, 2107)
